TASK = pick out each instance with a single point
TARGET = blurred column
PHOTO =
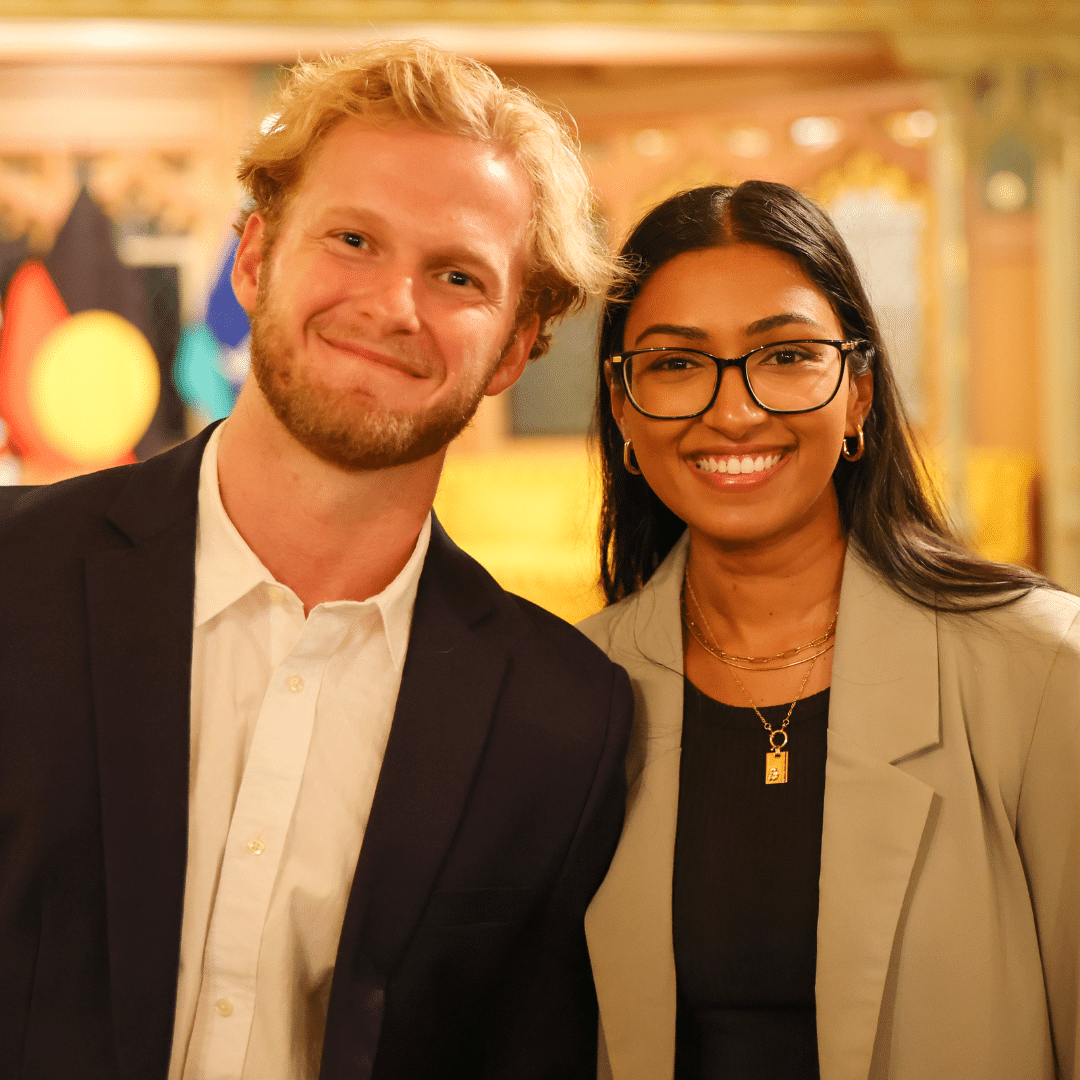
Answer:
(1058, 214)
(949, 183)
(1009, 123)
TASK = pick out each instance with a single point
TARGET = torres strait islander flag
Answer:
(214, 355)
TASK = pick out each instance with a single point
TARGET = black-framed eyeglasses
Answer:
(782, 377)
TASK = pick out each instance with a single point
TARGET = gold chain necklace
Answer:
(699, 636)
(776, 758)
(754, 663)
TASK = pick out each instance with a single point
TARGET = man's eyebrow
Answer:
(691, 333)
(784, 318)
(349, 215)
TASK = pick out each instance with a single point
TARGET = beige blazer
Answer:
(949, 919)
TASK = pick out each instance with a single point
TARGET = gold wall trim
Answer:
(1044, 19)
(30, 40)
(865, 169)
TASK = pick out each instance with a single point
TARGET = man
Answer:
(288, 786)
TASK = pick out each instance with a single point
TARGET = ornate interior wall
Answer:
(148, 102)
(155, 144)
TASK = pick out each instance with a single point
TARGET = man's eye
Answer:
(353, 239)
(458, 277)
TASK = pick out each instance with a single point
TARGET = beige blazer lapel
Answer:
(628, 924)
(883, 707)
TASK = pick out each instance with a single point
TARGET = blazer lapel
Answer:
(450, 684)
(140, 599)
(883, 707)
(628, 924)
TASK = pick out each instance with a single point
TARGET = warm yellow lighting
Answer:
(529, 515)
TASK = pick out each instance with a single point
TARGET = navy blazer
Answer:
(496, 813)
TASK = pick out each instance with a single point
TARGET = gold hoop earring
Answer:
(860, 447)
(627, 460)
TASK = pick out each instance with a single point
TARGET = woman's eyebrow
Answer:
(784, 318)
(691, 333)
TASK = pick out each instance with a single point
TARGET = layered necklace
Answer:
(776, 757)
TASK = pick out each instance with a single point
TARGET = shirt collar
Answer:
(226, 569)
(397, 600)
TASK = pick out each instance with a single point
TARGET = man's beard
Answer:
(350, 428)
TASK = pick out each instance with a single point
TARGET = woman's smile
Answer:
(738, 473)
(742, 471)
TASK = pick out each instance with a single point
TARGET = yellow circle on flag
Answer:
(94, 386)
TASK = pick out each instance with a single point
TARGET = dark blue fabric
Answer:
(227, 320)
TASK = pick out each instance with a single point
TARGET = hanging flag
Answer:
(161, 289)
(197, 373)
(229, 322)
(89, 276)
(32, 311)
(76, 391)
(86, 268)
(93, 388)
(79, 381)
(213, 358)
(13, 253)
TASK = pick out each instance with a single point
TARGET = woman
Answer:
(851, 846)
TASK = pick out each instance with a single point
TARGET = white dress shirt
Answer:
(289, 722)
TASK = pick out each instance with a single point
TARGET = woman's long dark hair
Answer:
(897, 525)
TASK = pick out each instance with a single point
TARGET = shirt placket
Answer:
(260, 822)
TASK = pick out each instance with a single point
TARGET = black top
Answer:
(745, 892)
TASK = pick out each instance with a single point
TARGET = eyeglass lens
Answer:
(791, 377)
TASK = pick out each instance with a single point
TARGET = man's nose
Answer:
(388, 297)
(734, 412)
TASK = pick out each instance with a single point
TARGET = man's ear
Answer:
(248, 262)
(515, 358)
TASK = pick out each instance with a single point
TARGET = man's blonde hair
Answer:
(415, 82)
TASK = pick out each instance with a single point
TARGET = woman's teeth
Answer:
(737, 464)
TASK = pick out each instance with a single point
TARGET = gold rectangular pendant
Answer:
(776, 767)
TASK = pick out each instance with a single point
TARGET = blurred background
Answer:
(942, 135)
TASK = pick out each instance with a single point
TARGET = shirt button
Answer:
(223, 1006)
(275, 594)
(296, 684)
(256, 847)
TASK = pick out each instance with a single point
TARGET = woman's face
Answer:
(727, 301)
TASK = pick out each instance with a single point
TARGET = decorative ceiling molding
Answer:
(34, 40)
(1046, 17)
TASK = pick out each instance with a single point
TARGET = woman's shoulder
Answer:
(647, 617)
(601, 628)
(1043, 620)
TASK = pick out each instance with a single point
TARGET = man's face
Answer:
(384, 309)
